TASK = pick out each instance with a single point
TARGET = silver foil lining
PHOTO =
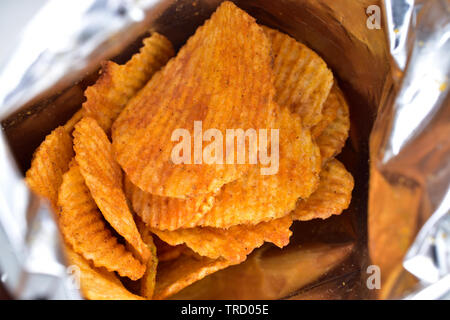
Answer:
(64, 42)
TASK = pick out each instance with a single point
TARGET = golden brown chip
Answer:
(256, 197)
(331, 197)
(119, 83)
(70, 124)
(103, 177)
(97, 283)
(175, 275)
(166, 213)
(167, 252)
(149, 279)
(302, 79)
(83, 228)
(332, 139)
(329, 110)
(233, 244)
(50, 161)
(221, 77)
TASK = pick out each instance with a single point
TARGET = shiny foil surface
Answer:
(391, 60)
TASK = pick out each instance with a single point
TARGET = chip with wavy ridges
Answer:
(83, 228)
(103, 176)
(331, 197)
(302, 78)
(329, 111)
(50, 161)
(255, 197)
(148, 281)
(222, 77)
(333, 137)
(232, 244)
(167, 213)
(119, 83)
(175, 275)
(97, 283)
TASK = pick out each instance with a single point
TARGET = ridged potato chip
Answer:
(333, 137)
(97, 283)
(331, 197)
(167, 213)
(329, 111)
(175, 275)
(302, 78)
(83, 228)
(149, 279)
(119, 83)
(221, 77)
(103, 177)
(70, 124)
(50, 161)
(232, 244)
(255, 198)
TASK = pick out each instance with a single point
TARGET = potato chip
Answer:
(221, 78)
(329, 111)
(331, 197)
(332, 139)
(175, 275)
(50, 161)
(103, 177)
(233, 244)
(167, 213)
(70, 124)
(97, 283)
(302, 79)
(83, 228)
(255, 197)
(119, 83)
(149, 279)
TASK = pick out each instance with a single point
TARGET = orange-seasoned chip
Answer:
(221, 79)
(119, 83)
(302, 78)
(149, 279)
(332, 139)
(234, 243)
(97, 283)
(103, 177)
(70, 124)
(256, 197)
(329, 111)
(331, 197)
(83, 228)
(166, 213)
(50, 161)
(175, 275)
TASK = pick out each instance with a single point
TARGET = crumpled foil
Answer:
(390, 58)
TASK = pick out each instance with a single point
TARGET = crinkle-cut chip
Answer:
(84, 229)
(332, 139)
(50, 161)
(175, 275)
(302, 78)
(167, 213)
(255, 198)
(329, 110)
(167, 252)
(149, 279)
(119, 83)
(103, 177)
(221, 77)
(234, 243)
(70, 124)
(97, 283)
(331, 197)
